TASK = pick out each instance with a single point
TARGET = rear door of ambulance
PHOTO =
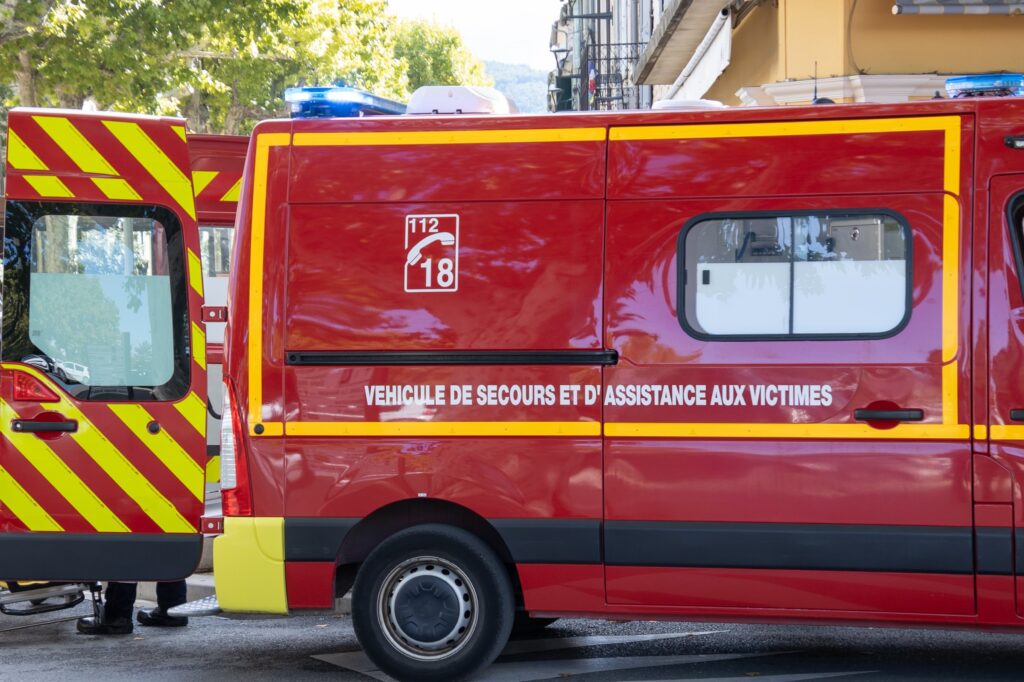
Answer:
(103, 382)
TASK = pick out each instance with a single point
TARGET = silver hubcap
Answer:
(427, 608)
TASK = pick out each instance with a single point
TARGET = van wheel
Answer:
(432, 602)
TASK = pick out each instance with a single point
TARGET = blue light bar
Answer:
(338, 101)
(986, 85)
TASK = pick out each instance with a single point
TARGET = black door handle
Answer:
(40, 426)
(1017, 415)
(889, 415)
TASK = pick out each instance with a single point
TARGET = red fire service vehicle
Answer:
(739, 365)
(742, 364)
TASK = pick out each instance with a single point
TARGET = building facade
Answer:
(768, 52)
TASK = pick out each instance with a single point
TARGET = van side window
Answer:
(94, 297)
(803, 275)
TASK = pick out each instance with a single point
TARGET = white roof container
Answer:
(459, 99)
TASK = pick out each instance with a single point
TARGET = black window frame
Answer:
(21, 216)
(681, 274)
(1015, 223)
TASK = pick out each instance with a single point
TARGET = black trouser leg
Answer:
(119, 600)
(169, 595)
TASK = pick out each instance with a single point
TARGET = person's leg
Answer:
(119, 599)
(168, 595)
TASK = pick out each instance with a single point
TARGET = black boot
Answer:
(157, 617)
(90, 625)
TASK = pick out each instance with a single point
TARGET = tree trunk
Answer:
(235, 114)
(25, 81)
(196, 113)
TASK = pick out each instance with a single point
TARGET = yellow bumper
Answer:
(248, 565)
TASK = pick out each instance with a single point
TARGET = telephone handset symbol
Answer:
(415, 253)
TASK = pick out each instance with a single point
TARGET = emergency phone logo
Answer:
(432, 253)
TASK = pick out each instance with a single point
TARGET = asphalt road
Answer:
(324, 647)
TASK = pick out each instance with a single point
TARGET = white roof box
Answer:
(686, 104)
(459, 99)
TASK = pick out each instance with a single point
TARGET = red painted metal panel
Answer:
(772, 166)
(694, 589)
(562, 588)
(309, 584)
(529, 277)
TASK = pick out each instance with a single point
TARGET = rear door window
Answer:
(94, 297)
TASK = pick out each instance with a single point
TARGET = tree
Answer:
(436, 55)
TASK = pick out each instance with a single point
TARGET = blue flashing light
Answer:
(986, 85)
(338, 101)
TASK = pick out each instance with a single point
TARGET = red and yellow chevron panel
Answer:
(99, 157)
(217, 162)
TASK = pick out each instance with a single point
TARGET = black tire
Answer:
(443, 566)
(524, 625)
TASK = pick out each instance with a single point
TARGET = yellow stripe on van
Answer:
(234, 193)
(785, 431)
(66, 136)
(193, 409)
(163, 445)
(378, 139)
(199, 345)
(195, 272)
(20, 156)
(117, 189)
(201, 180)
(61, 477)
(411, 429)
(49, 186)
(180, 132)
(25, 509)
(99, 448)
(156, 163)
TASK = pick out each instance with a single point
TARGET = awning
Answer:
(958, 7)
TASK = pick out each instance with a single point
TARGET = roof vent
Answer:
(686, 104)
(459, 99)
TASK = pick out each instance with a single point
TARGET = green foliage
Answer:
(527, 87)
(224, 64)
(435, 55)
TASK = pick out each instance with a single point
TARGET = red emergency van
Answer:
(746, 364)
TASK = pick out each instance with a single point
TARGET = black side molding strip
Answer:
(459, 357)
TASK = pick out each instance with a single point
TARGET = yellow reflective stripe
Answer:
(1006, 432)
(980, 432)
(48, 186)
(156, 163)
(234, 193)
(193, 409)
(199, 345)
(703, 131)
(116, 465)
(62, 478)
(64, 133)
(25, 509)
(256, 246)
(786, 431)
(124, 474)
(163, 445)
(20, 156)
(201, 180)
(180, 131)
(450, 137)
(213, 470)
(195, 272)
(269, 429)
(577, 428)
(116, 188)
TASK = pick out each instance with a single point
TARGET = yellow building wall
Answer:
(758, 55)
(846, 37)
(886, 43)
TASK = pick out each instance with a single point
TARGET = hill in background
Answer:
(527, 87)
